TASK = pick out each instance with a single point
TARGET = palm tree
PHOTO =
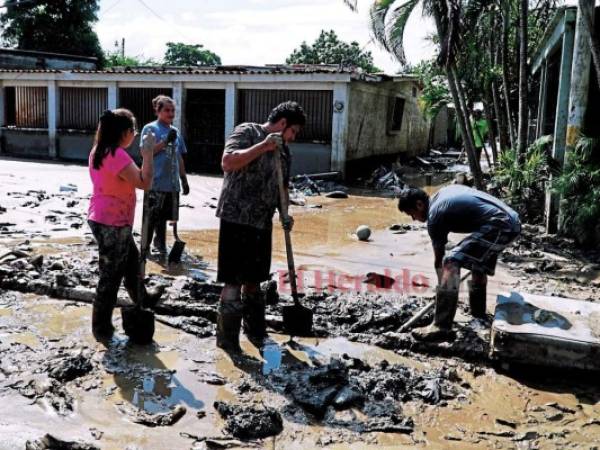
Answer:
(388, 20)
(523, 80)
(586, 8)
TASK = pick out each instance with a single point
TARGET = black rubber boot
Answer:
(477, 300)
(229, 323)
(102, 327)
(446, 303)
(255, 326)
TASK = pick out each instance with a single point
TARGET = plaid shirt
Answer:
(249, 196)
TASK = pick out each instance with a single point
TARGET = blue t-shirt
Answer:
(162, 181)
(460, 209)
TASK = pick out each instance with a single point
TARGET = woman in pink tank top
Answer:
(115, 177)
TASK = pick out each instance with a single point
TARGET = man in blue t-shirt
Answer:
(162, 201)
(459, 209)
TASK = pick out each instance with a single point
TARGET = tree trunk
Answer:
(592, 37)
(465, 127)
(492, 133)
(462, 112)
(498, 111)
(523, 81)
(501, 118)
(505, 74)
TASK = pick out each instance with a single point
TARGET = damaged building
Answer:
(568, 98)
(352, 117)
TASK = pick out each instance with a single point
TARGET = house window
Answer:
(254, 105)
(80, 108)
(396, 113)
(26, 107)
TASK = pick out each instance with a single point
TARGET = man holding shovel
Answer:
(459, 209)
(249, 197)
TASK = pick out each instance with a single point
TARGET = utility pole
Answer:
(123, 48)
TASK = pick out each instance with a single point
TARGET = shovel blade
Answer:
(297, 320)
(176, 252)
(138, 324)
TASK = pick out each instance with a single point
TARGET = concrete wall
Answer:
(440, 128)
(310, 158)
(368, 133)
(27, 143)
(74, 145)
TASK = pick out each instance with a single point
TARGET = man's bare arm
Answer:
(238, 159)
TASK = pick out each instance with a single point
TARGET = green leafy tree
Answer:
(329, 49)
(116, 59)
(60, 26)
(434, 95)
(180, 54)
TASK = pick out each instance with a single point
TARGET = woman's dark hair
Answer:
(292, 112)
(160, 101)
(111, 128)
(407, 199)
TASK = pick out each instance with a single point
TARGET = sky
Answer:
(253, 32)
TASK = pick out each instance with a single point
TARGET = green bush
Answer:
(579, 188)
(523, 185)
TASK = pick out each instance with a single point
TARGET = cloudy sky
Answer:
(245, 31)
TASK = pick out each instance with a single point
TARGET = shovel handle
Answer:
(283, 212)
(144, 246)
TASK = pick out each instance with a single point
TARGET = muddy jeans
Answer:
(158, 209)
(118, 260)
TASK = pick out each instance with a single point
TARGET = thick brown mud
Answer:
(358, 384)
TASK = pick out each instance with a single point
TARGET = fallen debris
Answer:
(160, 419)
(49, 442)
(69, 367)
(337, 194)
(250, 422)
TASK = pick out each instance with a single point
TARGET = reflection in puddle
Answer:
(285, 353)
(155, 393)
(146, 378)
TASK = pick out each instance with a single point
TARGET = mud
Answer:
(249, 422)
(160, 419)
(358, 383)
(49, 442)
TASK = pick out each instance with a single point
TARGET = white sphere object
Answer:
(363, 232)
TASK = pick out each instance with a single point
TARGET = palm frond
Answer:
(395, 33)
(378, 17)
(352, 4)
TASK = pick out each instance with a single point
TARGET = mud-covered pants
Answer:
(118, 261)
(158, 209)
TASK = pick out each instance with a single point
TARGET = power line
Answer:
(151, 10)
(109, 8)
(145, 5)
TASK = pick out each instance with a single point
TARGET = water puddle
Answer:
(284, 353)
(148, 380)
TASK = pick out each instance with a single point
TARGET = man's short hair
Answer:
(292, 112)
(407, 199)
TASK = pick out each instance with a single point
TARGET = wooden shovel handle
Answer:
(283, 212)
